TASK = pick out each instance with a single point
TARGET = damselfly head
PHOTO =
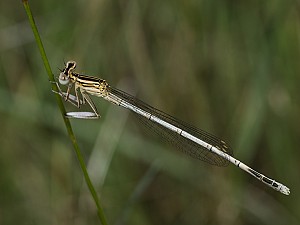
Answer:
(64, 76)
(71, 65)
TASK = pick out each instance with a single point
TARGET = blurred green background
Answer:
(229, 67)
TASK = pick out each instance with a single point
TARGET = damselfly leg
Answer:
(76, 101)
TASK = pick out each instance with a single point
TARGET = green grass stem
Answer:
(63, 111)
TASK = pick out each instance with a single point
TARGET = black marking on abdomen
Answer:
(267, 180)
(258, 175)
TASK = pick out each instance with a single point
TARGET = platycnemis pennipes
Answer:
(191, 140)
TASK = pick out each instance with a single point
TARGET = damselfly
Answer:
(191, 140)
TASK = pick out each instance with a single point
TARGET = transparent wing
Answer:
(185, 145)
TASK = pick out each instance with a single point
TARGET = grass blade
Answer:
(63, 111)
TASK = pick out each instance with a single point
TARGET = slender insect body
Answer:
(195, 142)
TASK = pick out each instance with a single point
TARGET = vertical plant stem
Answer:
(63, 111)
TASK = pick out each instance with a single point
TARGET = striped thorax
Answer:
(92, 85)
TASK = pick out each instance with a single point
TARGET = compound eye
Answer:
(63, 79)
